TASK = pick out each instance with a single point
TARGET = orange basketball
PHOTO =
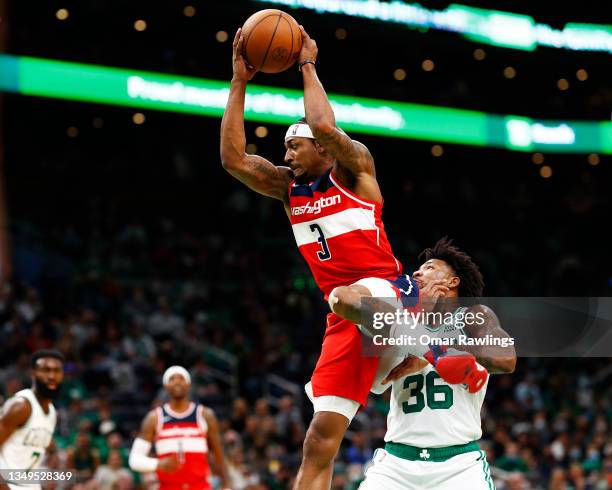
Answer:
(272, 40)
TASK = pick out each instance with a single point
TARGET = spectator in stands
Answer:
(110, 474)
(83, 457)
(164, 324)
(289, 423)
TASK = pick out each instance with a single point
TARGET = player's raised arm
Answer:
(256, 172)
(349, 154)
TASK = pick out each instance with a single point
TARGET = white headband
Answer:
(299, 130)
(172, 370)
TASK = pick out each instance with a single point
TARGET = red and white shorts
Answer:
(343, 375)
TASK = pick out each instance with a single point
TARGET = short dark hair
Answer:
(472, 282)
(39, 354)
(301, 120)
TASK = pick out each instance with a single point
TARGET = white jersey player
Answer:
(433, 427)
(431, 438)
(28, 419)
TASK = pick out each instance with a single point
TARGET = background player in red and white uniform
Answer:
(334, 204)
(183, 433)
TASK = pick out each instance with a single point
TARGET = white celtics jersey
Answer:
(427, 412)
(25, 448)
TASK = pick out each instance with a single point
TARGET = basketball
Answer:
(272, 40)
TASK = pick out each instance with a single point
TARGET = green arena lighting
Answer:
(145, 90)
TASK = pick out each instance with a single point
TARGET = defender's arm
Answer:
(497, 359)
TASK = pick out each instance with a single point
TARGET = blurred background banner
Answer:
(487, 26)
(48, 78)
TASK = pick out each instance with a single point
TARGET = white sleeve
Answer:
(391, 357)
(139, 459)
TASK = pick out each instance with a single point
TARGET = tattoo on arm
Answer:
(496, 358)
(263, 177)
(348, 153)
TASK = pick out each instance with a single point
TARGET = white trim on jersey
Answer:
(186, 444)
(160, 419)
(363, 203)
(347, 194)
(180, 432)
(336, 224)
(180, 415)
(201, 419)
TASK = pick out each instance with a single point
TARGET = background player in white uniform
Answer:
(27, 420)
(432, 427)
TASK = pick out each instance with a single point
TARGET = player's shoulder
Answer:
(359, 146)
(17, 409)
(206, 411)
(151, 417)
(481, 310)
(208, 414)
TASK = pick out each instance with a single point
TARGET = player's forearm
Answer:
(501, 362)
(139, 459)
(233, 139)
(498, 358)
(318, 110)
(223, 474)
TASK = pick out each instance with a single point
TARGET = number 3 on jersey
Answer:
(324, 253)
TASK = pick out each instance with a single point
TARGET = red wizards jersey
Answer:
(341, 236)
(184, 435)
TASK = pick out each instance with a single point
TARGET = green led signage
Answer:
(105, 85)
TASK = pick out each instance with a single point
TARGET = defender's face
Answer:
(48, 374)
(302, 156)
(433, 270)
(177, 386)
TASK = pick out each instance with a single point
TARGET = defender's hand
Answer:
(309, 50)
(242, 70)
(408, 366)
(431, 293)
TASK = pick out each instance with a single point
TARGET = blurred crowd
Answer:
(152, 297)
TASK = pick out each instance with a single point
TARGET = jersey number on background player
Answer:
(35, 458)
(414, 385)
(324, 253)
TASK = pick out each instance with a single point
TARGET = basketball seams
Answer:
(290, 55)
(277, 36)
(246, 41)
(263, 62)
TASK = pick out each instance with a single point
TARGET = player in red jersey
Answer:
(334, 205)
(183, 432)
